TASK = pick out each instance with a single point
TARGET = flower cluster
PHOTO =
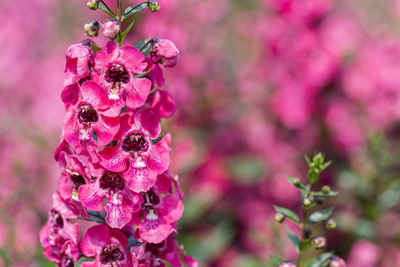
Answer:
(115, 160)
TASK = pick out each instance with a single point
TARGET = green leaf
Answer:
(295, 240)
(104, 8)
(94, 135)
(134, 9)
(141, 75)
(322, 194)
(112, 143)
(313, 175)
(140, 46)
(155, 141)
(321, 260)
(288, 213)
(120, 38)
(95, 48)
(296, 183)
(276, 261)
(320, 215)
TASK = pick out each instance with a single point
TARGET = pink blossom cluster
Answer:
(115, 160)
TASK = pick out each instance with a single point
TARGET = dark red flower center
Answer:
(135, 143)
(153, 198)
(57, 218)
(155, 249)
(87, 114)
(77, 179)
(117, 74)
(112, 181)
(111, 253)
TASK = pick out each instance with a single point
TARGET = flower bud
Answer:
(307, 202)
(92, 28)
(337, 262)
(279, 217)
(287, 263)
(111, 28)
(331, 223)
(93, 4)
(296, 182)
(165, 52)
(153, 5)
(319, 200)
(326, 189)
(319, 242)
(307, 233)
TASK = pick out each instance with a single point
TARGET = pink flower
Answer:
(87, 123)
(107, 245)
(111, 28)
(117, 68)
(58, 236)
(79, 59)
(120, 201)
(161, 209)
(155, 74)
(136, 154)
(73, 176)
(162, 103)
(165, 52)
(152, 254)
(337, 262)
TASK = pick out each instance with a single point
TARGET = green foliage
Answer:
(276, 261)
(105, 9)
(134, 9)
(95, 48)
(321, 261)
(120, 38)
(293, 238)
(320, 215)
(316, 165)
(288, 213)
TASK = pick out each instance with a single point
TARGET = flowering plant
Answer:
(311, 199)
(114, 156)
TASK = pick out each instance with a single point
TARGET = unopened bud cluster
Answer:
(311, 202)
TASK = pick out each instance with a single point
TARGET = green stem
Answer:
(303, 227)
(119, 12)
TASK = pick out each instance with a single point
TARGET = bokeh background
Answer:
(260, 84)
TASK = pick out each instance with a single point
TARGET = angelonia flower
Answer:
(114, 159)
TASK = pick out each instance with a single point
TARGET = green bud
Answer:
(296, 182)
(153, 5)
(307, 202)
(319, 200)
(331, 223)
(279, 217)
(93, 4)
(326, 189)
(307, 233)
